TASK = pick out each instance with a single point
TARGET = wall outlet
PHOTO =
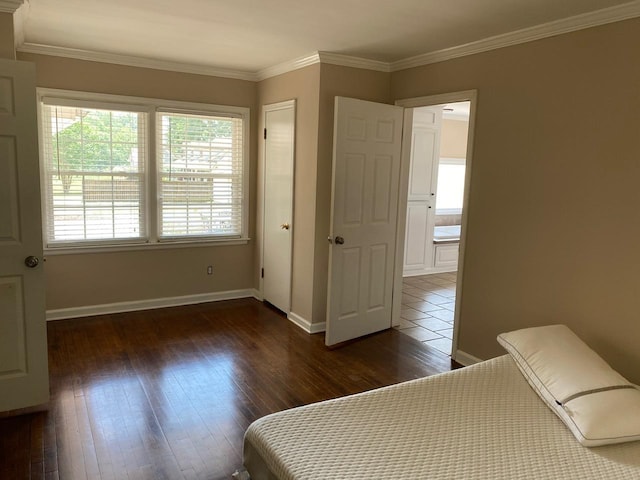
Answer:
(210, 270)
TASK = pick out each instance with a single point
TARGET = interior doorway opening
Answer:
(436, 201)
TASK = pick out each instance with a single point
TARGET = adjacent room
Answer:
(211, 212)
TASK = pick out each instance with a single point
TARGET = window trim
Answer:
(148, 106)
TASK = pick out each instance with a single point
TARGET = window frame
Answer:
(149, 107)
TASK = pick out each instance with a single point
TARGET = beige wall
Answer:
(453, 138)
(102, 278)
(302, 85)
(553, 223)
(345, 82)
(314, 89)
(7, 48)
(553, 219)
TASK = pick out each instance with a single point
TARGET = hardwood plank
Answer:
(168, 394)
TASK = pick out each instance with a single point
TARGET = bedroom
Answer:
(556, 134)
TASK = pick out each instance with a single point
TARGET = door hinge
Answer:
(262, 273)
(265, 133)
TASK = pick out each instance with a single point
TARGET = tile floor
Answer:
(428, 303)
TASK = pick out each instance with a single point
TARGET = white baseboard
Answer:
(256, 294)
(91, 310)
(463, 358)
(429, 271)
(305, 324)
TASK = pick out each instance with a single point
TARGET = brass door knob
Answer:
(284, 226)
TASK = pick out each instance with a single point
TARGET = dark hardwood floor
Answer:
(168, 394)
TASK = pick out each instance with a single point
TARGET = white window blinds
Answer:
(94, 174)
(200, 175)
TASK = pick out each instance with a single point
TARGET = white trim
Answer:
(355, 62)
(10, 6)
(147, 102)
(463, 96)
(437, 99)
(429, 271)
(463, 358)
(81, 249)
(401, 221)
(151, 107)
(288, 66)
(133, 61)
(132, 306)
(306, 325)
(530, 34)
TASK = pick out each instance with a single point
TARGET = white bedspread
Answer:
(483, 422)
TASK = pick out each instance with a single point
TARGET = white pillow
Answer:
(599, 405)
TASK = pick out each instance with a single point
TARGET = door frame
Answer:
(260, 210)
(426, 101)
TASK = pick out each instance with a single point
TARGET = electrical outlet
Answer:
(210, 270)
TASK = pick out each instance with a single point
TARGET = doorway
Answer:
(439, 154)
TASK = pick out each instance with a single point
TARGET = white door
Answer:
(421, 197)
(24, 378)
(279, 121)
(366, 171)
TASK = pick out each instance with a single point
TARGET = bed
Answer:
(480, 422)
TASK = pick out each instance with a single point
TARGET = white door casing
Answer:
(24, 378)
(366, 172)
(421, 197)
(279, 121)
(410, 104)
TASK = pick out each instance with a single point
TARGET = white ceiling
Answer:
(251, 35)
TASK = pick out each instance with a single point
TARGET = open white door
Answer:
(366, 170)
(24, 378)
(279, 121)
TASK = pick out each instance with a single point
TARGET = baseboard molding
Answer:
(306, 325)
(256, 294)
(429, 271)
(463, 358)
(91, 310)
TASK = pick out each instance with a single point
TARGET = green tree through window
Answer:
(93, 141)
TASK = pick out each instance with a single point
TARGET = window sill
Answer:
(131, 247)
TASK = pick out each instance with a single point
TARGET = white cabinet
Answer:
(446, 255)
(421, 199)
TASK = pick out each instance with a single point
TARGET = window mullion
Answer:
(152, 175)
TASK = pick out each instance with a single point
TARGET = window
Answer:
(94, 169)
(125, 171)
(200, 175)
(450, 190)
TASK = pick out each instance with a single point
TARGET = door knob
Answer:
(339, 240)
(31, 261)
(284, 226)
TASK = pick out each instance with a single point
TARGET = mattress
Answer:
(481, 422)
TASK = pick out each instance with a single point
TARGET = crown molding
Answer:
(323, 57)
(557, 27)
(287, 67)
(10, 6)
(355, 62)
(133, 61)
